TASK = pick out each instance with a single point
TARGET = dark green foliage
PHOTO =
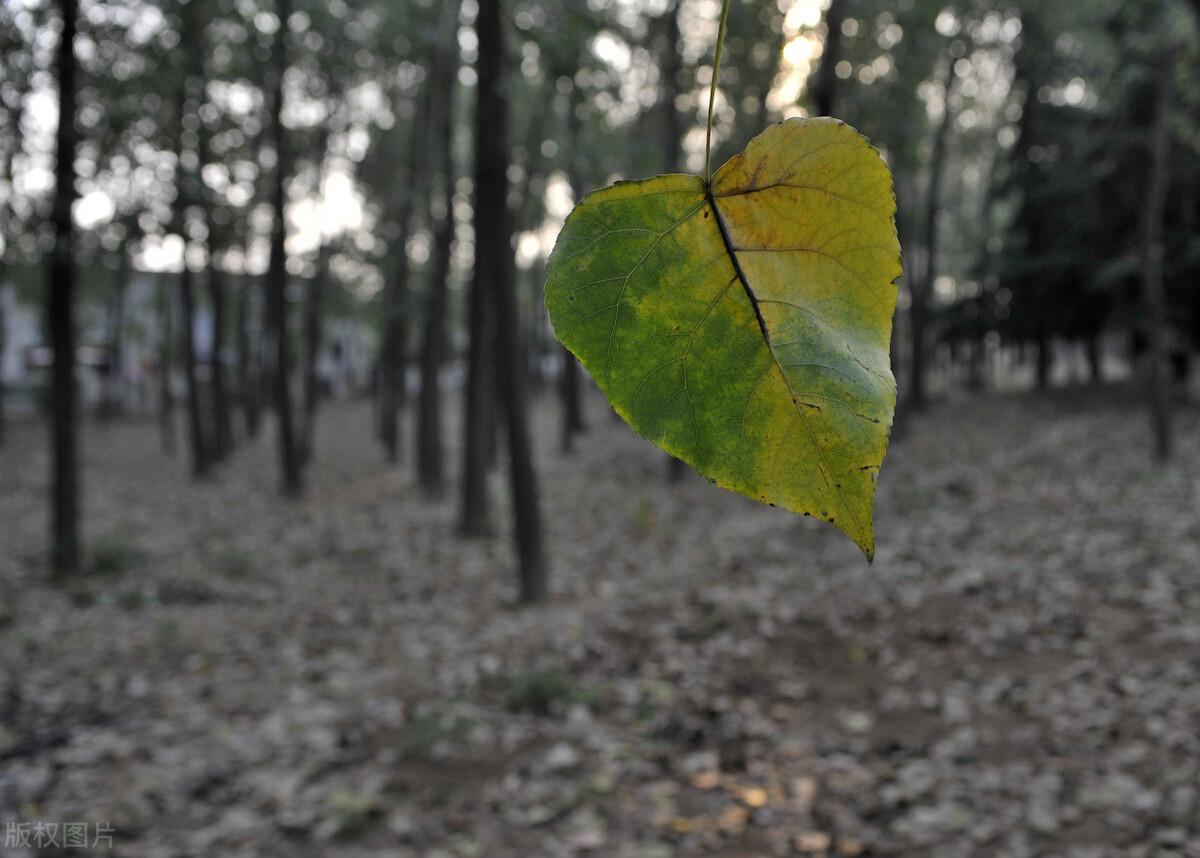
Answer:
(113, 554)
(434, 723)
(543, 692)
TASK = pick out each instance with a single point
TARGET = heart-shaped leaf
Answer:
(744, 326)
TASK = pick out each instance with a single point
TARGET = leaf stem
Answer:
(712, 92)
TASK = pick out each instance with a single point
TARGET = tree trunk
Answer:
(430, 465)
(313, 308)
(1045, 360)
(1095, 362)
(19, 80)
(479, 408)
(187, 184)
(493, 277)
(536, 345)
(166, 402)
(528, 215)
(254, 384)
(1152, 258)
(825, 87)
(976, 364)
(394, 352)
(479, 405)
(430, 455)
(64, 549)
(922, 291)
(5, 223)
(248, 383)
(394, 347)
(289, 460)
(196, 435)
(111, 405)
(312, 350)
(222, 423)
(570, 385)
(222, 419)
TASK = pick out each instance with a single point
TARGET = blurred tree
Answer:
(277, 275)
(394, 350)
(60, 311)
(493, 281)
(1078, 252)
(249, 382)
(430, 456)
(221, 442)
(187, 192)
(16, 63)
(111, 403)
(574, 27)
(314, 305)
(253, 379)
(479, 396)
(922, 286)
(166, 363)
(328, 77)
(825, 81)
(1151, 252)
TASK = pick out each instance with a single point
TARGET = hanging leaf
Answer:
(743, 325)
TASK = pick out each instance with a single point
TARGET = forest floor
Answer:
(1018, 673)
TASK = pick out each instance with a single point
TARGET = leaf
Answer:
(744, 327)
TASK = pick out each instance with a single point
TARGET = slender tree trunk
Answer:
(923, 288)
(19, 80)
(222, 418)
(389, 421)
(312, 350)
(976, 363)
(570, 384)
(479, 405)
(493, 276)
(289, 459)
(1152, 258)
(264, 351)
(222, 436)
(111, 405)
(166, 401)
(535, 340)
(394, 351)
(825, 86)
(254, 383)
(64, 527)
(187, 183)
(196, 435)
(528, 214)
(1045, 360)
(221, 442)
(479, 408)
(314, 313)
(1092, 347)
(248, 384)
(430, 455)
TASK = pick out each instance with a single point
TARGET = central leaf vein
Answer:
(824, 469)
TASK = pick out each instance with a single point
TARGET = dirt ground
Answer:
(1018, 674)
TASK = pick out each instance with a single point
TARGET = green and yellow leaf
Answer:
(744, 327)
